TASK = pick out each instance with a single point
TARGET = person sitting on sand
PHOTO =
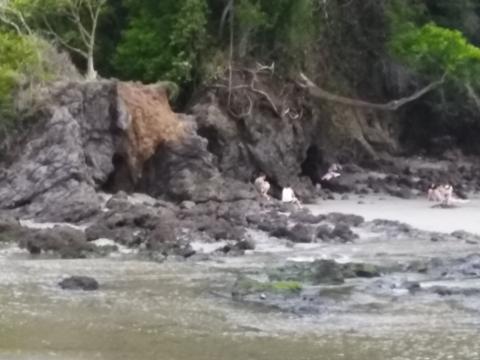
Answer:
(262, 186)
(435, 193)
(444, 195)
(288, 196)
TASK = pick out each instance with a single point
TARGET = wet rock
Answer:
(163, 240)
(219, 229)
(84, 283)
(301, 233)
(419, 266)
(412, 286)
(306, 217)
(129, 226)
(350, 220)
(247, 244)
(352, 270)
(63, 240)
(281, 232)
(118, 202)
(323, 272)
(343, 232)
(324, 232)
(441, 290)
(389, 226)
(317, 272)
(269, 222)
(327, 272)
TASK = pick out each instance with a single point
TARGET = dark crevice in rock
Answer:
(311, 166)
(211, 134)
(121, 178)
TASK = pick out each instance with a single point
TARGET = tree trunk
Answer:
(91, 73)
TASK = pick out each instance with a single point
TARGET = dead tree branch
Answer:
(393, 105)
(473, 95)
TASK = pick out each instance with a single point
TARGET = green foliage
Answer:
(18, 59)
(164, 40)
(281, 29)
(245, 286)
(434, 50)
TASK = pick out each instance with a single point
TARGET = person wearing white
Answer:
(289, 196)
(333, 172)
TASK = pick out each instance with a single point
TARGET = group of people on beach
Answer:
(442, 194)
(288, 195)
(263, 187)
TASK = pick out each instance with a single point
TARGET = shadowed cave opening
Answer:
(211, 134)
(312, 165)
(121, 178)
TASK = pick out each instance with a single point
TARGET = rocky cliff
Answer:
(92, 136)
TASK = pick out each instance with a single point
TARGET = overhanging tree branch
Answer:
(393, 105)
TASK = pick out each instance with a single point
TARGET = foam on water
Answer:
(31, 224)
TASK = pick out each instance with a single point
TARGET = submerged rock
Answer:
(84, 283)
(323, 272)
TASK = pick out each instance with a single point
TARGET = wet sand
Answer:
(417, 212)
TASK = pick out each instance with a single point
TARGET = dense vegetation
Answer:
(342, 44)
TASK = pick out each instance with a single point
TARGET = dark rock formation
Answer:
(63, 240)
(185, 170)
(84, 283)
(343, 232)
(85, 138)
(260, 142)
(67, 155)
(301, 233)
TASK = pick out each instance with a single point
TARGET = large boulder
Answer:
(184, 170)
(67, 155)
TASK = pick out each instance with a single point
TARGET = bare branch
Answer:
(473, 95)
(393, 105)
(228, 8)
(60, 40)
(11, 23)
(14, 18)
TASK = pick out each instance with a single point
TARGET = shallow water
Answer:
(175, 310)
(165, 311)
